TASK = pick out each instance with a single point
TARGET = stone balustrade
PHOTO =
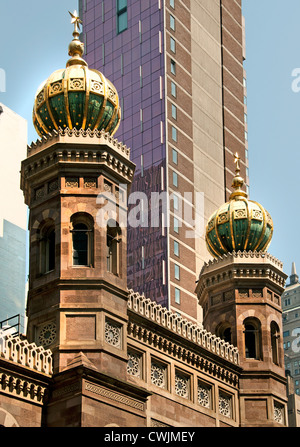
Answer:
(193, 332)
(15, 349)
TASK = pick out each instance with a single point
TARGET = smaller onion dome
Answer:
(240, 224)
(76, 96)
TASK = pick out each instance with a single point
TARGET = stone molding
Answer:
(241, 265)
(247, 256)
(26, 354)
(23, 387)
(67, 136)
(112, 395)
(174, 323)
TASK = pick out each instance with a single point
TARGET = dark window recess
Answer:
(121, 15)
(80, 244)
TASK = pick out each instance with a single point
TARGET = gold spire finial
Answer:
(238, 181)
(77, 22)
(76, 47)
(237, 162)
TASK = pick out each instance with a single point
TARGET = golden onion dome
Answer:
(76, 96)
(240, 224)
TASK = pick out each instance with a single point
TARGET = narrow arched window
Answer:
(113, 243)
(227, 335)
(80, 244)
(274, 342)
(252, 333)
(224, 331)
(82, 240)
(47, 248)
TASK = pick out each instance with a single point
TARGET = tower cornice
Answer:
(241, 267)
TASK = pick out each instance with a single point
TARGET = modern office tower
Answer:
(178, 68)
(13, 215)
(291, 327)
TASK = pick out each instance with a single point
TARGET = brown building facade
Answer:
(97, 354)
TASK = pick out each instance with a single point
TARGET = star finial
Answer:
(76, 20)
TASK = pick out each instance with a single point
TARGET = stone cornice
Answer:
(243, 257)
(261, 266)
(76, 136)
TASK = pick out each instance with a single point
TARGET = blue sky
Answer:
(34, 42)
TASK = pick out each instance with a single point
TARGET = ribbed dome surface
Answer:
(76, 96)
(239, 225)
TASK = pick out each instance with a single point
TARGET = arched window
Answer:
(252, 333)
(224, 332)
(47, 248)
(82, 239)
(274, 342)
(113, 242)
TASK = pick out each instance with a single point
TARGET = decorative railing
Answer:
(26, 354)
(247, 255)
(191, 331)
(100, 135)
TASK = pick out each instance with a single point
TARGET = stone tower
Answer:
(240, 294)
(75, 181)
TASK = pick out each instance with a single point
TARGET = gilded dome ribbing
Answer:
(76, 96)
(240, 224)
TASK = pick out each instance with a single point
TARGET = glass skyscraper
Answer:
(178, 69)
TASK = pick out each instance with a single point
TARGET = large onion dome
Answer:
(240, 224)
(76, 96)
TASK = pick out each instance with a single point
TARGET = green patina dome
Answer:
(239, 225)
(76, 96)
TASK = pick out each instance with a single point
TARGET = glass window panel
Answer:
(172, 45)
(121, 4)
(174, 112)
(173, 89)
(172, 22)
(122, 22)
(175, 179)
(175, 156)
(176, 248)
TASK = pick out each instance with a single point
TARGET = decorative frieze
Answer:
(90, 182)
(112, 395)
(191, 356)
(101, 137)
(72, 182)
(22, 387)
(156, 423)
